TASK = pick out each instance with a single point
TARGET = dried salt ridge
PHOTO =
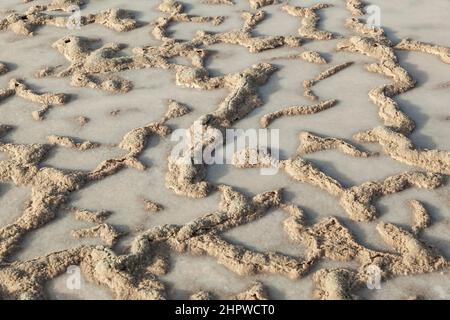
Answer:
(355, 7)
(256, 291)
(308, 56)
(89, 216)
(310, 143)
(442, 53)
(256, 4)
(357, 201)
(329, 239)
(308, 84)
(70, 143)
(310, 19)
(184, 176)
(402, 149)
(51, 187)
(244, 37)
(126, 275)
(373, 32)
(389, 111)
(202, 236)
(420, 217)
(174, 11)
(104, 231)
(57, 5)
(25, 24)
(47, 100)
(267, 119)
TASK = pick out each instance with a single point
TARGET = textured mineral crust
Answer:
(131, 247)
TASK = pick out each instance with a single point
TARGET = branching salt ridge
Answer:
(47, 100)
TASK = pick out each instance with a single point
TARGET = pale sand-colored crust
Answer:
(26, 23)
(310, 19)
(267, 119)
(46, 100)
(134, 274)
(308, 84)
(420, 217)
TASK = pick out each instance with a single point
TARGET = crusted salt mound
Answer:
(308, 84)
(104, 231)
(389, 111)
(420, 217)
(310, 143)
(184, 175)
(25, 24)
(334, 284)
(245, 38)
(412, 45)
(256, 291)
(267, 119)
(355, 7)
(70, 143)
(310, 19)
(402, 149)
(174, 11)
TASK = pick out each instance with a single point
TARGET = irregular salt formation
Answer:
(267, 119)
(202, 295)
(329, 239)
(420, 217)
(123, 275)
(402, 149)
(253, 158)
(307, 84)
(104, 231)
(89, 216)
(184, 175)
(47, 100)
(310, 143)
(98, 68)
(175, 13)
(57, 5)
(175, 109)
(334, 284)
(310, 19)
(159, 266)
(51, 187)
(116, 19)
(355, 7)
(357, 200)
(152, 207)
(412, 45)
(303, 171)
(245, 38)
(366, 30)
(3, 68)
(70, 143)
(389, 110)
(201, 236)
(417, 257)
(256, 4)
(25, 24)
(256, 291)
(308, 56)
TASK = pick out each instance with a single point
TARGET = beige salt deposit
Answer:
(95, 184)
